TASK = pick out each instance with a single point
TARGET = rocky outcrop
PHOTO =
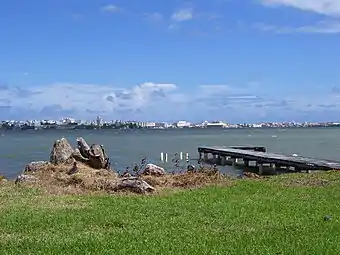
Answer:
(154, 170)
(61, 152)
(85, 167)
(95, 156)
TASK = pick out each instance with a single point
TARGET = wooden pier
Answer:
(258, 154)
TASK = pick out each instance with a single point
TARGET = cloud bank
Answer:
(328, 10)
(164, 101)
(324, 7)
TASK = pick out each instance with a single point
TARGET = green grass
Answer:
(283, 215)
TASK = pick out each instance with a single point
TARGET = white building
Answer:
(161, 125)
(99, 121)
(217, 124)
(150, 124)
(182, 124)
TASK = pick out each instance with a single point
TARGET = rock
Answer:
(97, 158)
(151, 169)
(95, 155)
(25, 178)
(78, 156)
(35, 166)
(327, 218)
(190, 168)
(134, 184)
(61, 152)
(251, 175)
(126, 174)
(83, 147)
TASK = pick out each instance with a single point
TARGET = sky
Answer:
(241, 61)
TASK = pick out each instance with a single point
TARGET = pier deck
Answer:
(304, 163)
(248, 148)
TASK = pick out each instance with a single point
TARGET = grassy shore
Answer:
(279, 215)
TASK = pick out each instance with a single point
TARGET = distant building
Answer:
(161, 125)
(217, 124)
(182, 124)
(150, 125)
(99, 121)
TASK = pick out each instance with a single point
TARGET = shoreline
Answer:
(87, 168)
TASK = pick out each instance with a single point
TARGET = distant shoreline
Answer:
(147, 128)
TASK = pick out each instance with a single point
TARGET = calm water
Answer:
(127, 146)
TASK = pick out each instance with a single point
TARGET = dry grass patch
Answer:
(56, 180)
(188, 180)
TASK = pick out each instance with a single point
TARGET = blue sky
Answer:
(235, 60)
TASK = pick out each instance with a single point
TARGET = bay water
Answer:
(126, 147)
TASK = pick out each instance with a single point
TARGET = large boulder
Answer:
(61, 152)
(154, 170)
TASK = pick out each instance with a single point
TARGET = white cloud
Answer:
(322, 27)
(325, 7)
(110, 8)
(159, 101)
(80, 98)
(183, 15)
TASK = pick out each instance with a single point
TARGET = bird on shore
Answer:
(74, 168)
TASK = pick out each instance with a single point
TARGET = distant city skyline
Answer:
(99, 121)
(239, 61)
